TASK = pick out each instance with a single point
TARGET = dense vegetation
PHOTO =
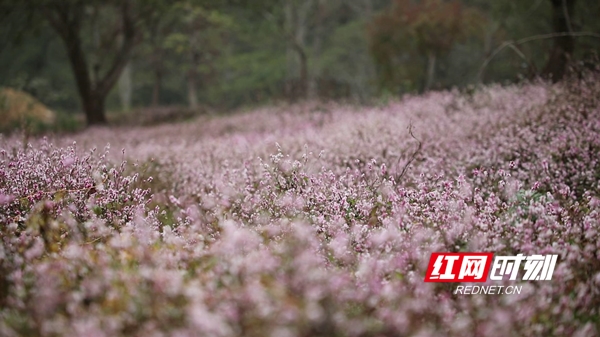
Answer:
(92, 55)
(308, 220)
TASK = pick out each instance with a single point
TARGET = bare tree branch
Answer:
(518, 51)
(129, 32)
(567, 17)
(526, 40)
(412, 157)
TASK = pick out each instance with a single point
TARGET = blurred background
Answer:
(123, 60)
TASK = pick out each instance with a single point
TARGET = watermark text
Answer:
(487, 290)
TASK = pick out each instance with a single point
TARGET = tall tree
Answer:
(199, 37)
(126, 87)
(294, 19)
(563, 46)
(70, 18)
(296, 30)
(431, 26)
(157, 28)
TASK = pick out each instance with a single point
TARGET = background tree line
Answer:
(94, 56)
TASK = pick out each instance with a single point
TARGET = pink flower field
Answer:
(308, 220)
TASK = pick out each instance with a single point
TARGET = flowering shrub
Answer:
(310, 220)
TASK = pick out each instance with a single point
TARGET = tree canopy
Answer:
(94, 56)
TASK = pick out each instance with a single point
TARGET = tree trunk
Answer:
(67, 20)
(564, 46)
(313, 81)
(192, 95)
(94, 109)
(303, 11)
(488, 45)
(289, 24)
(303, 71)
(430, 71)
(92, 100)
(295, 27)
(156, 88)
(125, 88)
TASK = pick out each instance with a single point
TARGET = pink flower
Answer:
(6, 199)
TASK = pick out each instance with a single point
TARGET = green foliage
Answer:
(346, 59)
(259, 76)
(428, 28)
(240, 52)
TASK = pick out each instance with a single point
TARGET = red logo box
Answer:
(459, 267)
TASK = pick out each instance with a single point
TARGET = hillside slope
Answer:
(310, 220)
